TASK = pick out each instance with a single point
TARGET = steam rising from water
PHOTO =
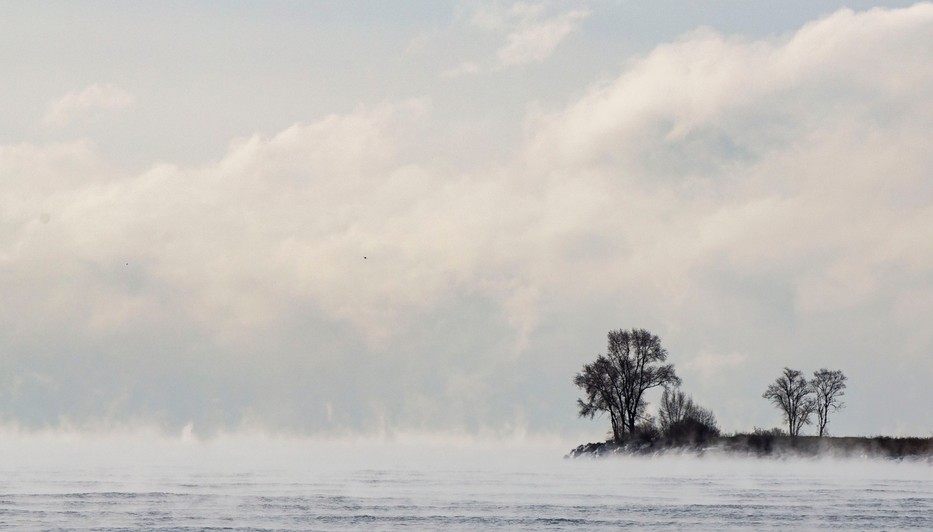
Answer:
(143, 481)
(261, 451)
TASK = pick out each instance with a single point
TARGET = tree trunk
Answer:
(616, 428)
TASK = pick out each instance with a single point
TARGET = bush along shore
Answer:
(763, 443)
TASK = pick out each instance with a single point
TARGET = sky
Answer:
(371, 218)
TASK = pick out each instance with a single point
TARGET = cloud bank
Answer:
(756, 203)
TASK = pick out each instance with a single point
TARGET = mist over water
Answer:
(257, 482)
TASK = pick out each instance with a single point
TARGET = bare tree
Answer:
(617, 381)
(791, 393)
(705, 417)
(679, 416)
(600, 381)
(675, 405)
(639, 356)
(828, 386)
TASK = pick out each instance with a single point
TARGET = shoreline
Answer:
(768, 445)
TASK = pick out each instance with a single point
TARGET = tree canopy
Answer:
(791, 393)
(680, 418)
(616, 382)
(635, 361)
(828, 386)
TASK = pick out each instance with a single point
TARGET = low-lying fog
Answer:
(144, 480)
(82, 451)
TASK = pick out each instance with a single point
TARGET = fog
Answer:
(257, 451)
(143, 480)
(78, 450)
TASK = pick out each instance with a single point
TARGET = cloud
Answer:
(498, 18)
(73, 105)
(531, 33)
(769, 198)
(463, 69)
(535, 40)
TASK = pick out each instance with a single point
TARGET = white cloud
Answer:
(463, 69)
(766, 198)
(73, 105)
(531, 32)
(498, 18)
(535, 40)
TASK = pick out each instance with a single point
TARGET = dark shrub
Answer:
(691, 431)
(647, 432)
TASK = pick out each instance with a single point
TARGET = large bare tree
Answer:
(792, 394)
(828, 386)
(617, 381)
(600, 381)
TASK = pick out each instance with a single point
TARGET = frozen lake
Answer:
(293, 485)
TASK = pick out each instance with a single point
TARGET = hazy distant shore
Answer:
(766, 445)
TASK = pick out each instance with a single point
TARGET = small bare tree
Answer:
(675, 405)
(680, 418)
(792, 394)
(828, 386)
